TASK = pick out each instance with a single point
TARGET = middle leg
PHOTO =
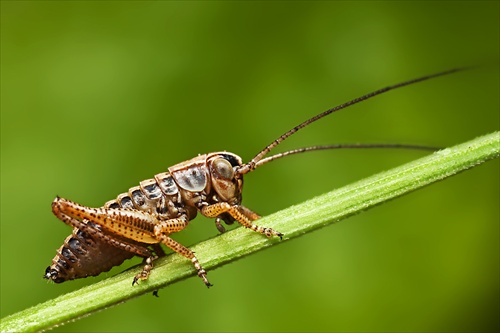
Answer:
(162, 232)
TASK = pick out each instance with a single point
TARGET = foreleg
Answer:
(241, 214)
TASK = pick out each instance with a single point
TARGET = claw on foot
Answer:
(271, 232)
(219, 225)
(203, 274)
(145, 271)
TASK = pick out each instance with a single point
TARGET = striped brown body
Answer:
(136, 222)
(81, 255)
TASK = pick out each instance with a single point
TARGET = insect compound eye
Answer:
(231, 158)
(224, 180)
(222, 168)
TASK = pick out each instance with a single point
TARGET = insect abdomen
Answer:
(81, 256)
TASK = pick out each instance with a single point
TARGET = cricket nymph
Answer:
(137, 222)
(149, 213)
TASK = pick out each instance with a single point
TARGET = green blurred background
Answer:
(96, 96)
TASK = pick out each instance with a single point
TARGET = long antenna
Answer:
(250, 166)
(343, 146)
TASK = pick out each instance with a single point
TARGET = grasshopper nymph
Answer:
(136, 222)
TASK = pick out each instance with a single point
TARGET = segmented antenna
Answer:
(254, 162)
(343, 146)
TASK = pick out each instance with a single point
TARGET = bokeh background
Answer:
(96, 96)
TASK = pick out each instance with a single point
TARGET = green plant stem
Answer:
(293, 222)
